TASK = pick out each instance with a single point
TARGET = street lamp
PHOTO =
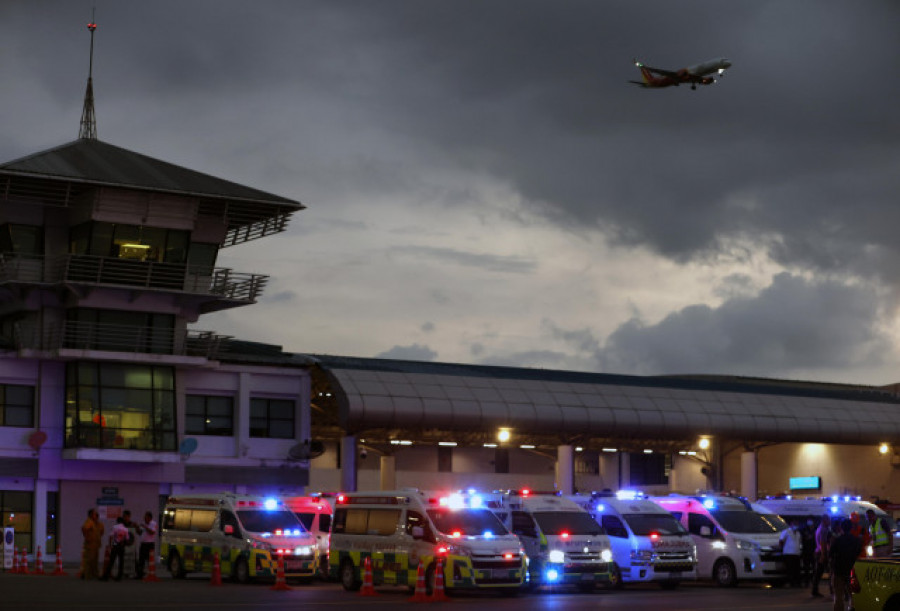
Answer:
(503, 435)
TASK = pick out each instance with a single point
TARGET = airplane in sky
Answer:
(695, 75)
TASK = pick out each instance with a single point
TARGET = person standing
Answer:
(880, 535)
(92, 529)
(808, 551)
(134, 530)
(844, 551)
(148, 543)
(117, 539)
(791, 546)
(823, 539)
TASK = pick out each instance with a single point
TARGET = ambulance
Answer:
(648, 544)
(733, 541)
(314, 512)
(565, 546)
(403, 530)
(250, 535)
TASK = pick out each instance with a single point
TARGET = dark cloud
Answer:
(413, 352)
(490, 262)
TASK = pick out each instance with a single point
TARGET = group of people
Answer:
(834, 546)
(125, 533)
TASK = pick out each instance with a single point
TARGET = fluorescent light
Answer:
(610, 450)
(490, 445)
(448, 444)
(526, 446)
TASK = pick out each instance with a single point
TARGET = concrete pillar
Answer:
(674, 474)
(388, 473)
(565, 469)
(748, 475)
(39, 519)
(348, 463)
(624, 470)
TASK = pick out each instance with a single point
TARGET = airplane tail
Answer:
(646, 75)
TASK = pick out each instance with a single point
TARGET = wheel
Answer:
(724, 573)
(241, 572)
(615, 577)
(176, 566)
(349, 579)
(668, 585)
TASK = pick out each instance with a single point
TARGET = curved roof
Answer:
(380, 393)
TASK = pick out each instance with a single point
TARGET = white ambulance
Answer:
(250, 535)
(565, 546)
(648, 544)
(401, 530)
(314, 512)
(733, 541)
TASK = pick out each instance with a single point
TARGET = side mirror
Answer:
(418, 532)
(705, 531)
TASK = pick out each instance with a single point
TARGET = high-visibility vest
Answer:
(879, 535)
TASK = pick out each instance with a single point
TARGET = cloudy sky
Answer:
(484, 185)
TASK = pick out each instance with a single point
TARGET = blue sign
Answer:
(109, 501)
(806, 483)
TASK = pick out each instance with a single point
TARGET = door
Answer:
(709, 542)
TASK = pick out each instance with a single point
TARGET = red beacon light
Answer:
(507, 556)
(565, 534)
(341, 499)
(442, 550)
(654, 536)
(456, 534)
(525, 492)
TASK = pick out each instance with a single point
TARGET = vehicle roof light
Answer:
(709, 503)
(270, 504)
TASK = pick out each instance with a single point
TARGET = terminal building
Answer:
(110, 398)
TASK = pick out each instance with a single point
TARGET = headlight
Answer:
(557, 556)
(303, 550)
(746, 545)
(606, 555)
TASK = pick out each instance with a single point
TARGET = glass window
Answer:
(202, 257)
(383, 521)
(696, 521)
(661, 523)
(272, 418)
(16, 405)
(16, 512)
(209, 415)
(24, 239)
(572, 522)
(466, 521)
(614, 526)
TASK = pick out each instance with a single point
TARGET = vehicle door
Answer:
(524, 526)
(419, 540)
(231, 540)
(619, 541)
(709, 541)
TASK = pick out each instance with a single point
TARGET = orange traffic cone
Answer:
(23, 563)
(59, 572)
(216, 578)
(280, 583)
(368, 588)
(38, 563)
(151, 568)
(437, 594)
(421, 594)
(15, 566)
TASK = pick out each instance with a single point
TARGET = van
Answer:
(837, 507)
(314, 512)
(248, 533)
(733, 541)
(565, 546)
(648, 544)
(404, 530)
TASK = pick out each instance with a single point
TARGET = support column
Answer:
(348, 463)
(565, 469)
(748, 475)
(39, 519)
(388, 473)
(624, 470)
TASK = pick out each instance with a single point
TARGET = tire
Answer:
(176, 566)
(615, 577)
(348, 576)
(241, 572)
(724, 573)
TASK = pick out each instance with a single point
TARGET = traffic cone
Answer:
(368, 588)
(421, 594)
(38, 563)
(216, 578)
(106, 567)
(59, 572)
(280, 583)
(151, 568)
(437, 594)
(15, 566)
(23, 563)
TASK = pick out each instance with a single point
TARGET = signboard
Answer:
(9, 541)
(109, 501)
(806, 483)
(110, 491)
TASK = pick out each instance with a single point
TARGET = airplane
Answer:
(695, 75)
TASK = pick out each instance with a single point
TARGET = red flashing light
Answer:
(565, 534)
(341, 499)
(278, 532)
(654, 536)
(525, 492)
(456, 534)
(507, 556)
(442, 550)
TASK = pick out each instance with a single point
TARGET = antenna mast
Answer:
(88, 120)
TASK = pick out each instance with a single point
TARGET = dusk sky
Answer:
(483, 185)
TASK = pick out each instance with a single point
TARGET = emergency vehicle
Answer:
(404, 529)
(648, 544)
(836, 507)
(248, 533)
(314, 512)
(565, 546)
(733, 541)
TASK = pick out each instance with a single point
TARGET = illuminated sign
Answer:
(806, 483)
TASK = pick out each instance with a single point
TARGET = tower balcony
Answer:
(217, 287)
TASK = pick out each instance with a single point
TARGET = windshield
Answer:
(776, 521)
(471, 522)
(743, 521)
(572, 522)
(269, 521)
(642, 524)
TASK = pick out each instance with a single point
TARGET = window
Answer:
(114, 405)
(614, 527)
(696, 521)
(22, 239)
(202, 257)
(209, 415)
(16, 512)
(414, 519)
(523, 525)
(197, 520)
(16, 405)
(272, 418)
(129, 242)
(650, 469)
(366, 521)
(119, 331)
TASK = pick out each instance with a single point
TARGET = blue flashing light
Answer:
(628, 495)
(270, 504)
(709, 503)
(296, 532)
(488, 534)
(476, 501)
(834, 509)
(552, 575)
(600, 508)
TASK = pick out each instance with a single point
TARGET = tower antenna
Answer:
(88, 120)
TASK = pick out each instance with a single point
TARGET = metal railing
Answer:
(89, 269)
